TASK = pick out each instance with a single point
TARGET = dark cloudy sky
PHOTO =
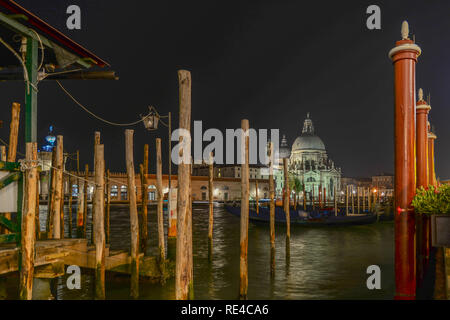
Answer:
(268, 61)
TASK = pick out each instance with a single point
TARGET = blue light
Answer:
(51, 139)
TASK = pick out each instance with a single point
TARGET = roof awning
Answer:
(63, 51)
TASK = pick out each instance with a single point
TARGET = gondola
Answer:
(305, 218)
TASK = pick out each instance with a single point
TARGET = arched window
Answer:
(74, 190)
(203, 188)
(226, 188)
(151, 186)
(123, 192)
(311, 179)
(114, 191)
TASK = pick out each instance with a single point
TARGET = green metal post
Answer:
(31, 91)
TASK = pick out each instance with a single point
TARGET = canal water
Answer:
(325, 262)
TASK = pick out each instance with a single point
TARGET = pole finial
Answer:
(405, 30)
(420, 94)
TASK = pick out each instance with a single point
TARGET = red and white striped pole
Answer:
(404, 56)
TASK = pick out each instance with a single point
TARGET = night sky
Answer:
(269, 62)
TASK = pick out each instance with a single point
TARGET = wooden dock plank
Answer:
(51, 254)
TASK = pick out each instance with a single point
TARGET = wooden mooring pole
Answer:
(353, 200)
(134, 219)
(245, 193)
(287, 210)
(3, 153)
(80, 208)
(28, 224)
(13, 140)
(2, 158)
(287, 199)
(70, 206)
(346, 201)
(159, 188)
(272, 211)
(211, 205)
(364, 200)
(108, 207)
(96, 142)
(184, 288)
(358, 196)
(144, 201)
(335, 201)
(99, 220)
(85, 198)
(256, 196)
(58, 194)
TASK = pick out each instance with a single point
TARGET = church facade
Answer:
(309, 163)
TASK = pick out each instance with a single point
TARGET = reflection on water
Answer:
(325, 263)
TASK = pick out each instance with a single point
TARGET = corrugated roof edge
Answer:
(52, 32)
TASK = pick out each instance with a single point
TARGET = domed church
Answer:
(309, 162)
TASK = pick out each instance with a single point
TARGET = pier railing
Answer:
(13, 175)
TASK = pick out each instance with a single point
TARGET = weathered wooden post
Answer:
(287, 199)
(3, 153)
(144, 200)
(353, 200)
(51, 196)
(2, 158)
(28, 224)
(346, 201)
(159, 188)
(85, 199)
(96, 142)
(59, 195)
(211, 204)
(99, 221)
(108, 207)
(320, 196)
(80, 208)
(256, 196)
(357, 200)
(304, 197)
(70, 206)
(37, 224)
(335, 201)
(184, 288)
(134, 219)
(272, 210)
(364, 199)
(13, 140)
(404, 56)
(245, 193)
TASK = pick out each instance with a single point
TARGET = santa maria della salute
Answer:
(309, 165)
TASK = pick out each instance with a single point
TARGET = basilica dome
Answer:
(308, 140)
(284, 149)
(308, 143)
